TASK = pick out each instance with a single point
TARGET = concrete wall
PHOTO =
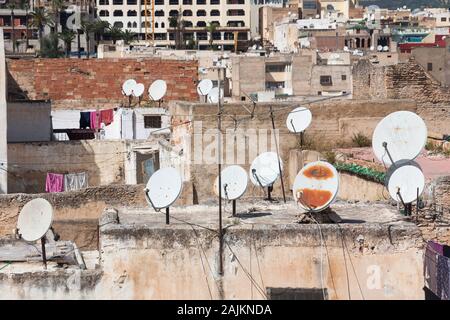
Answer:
(29, 163)
(29, 121)
(437, 57)
(3, 119)
(354, 188)
(336, 72)
(142, 262)
(85, 84)
(326, 131)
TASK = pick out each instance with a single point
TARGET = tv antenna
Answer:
(234, 183)
(204, 87)
(405, 182)
(127, 89)
(265, 170)
(400, 136)
(316, 186)
(163, 189)
(157, 90)
(35, 219)
(298, 120)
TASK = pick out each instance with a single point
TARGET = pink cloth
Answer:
(54, 182)
(95, 120)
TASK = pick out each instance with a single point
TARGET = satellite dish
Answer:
(264, 169)
(138, 90)
(204, 87)
(163, 188)
(316, 186)
(213, 95)
(400, 135)
(405, 181)
(346, 48)
(234, 182)
(379, 48)
(128, 87)
(385, 48)
(157, 90)
(298, 119)
(35, 219)
(372, 48)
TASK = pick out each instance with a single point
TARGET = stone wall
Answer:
(29, 163)
(405, 81)
(87, 83)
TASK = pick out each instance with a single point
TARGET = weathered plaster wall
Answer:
(87, 83)
(140, 262)
(3, 117)
(29, 162)
(352, 187)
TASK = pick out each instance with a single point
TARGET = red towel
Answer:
(95, 120)
(107, 116)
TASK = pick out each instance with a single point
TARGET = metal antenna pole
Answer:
(278, 154)
(219, 168)
(44, 255)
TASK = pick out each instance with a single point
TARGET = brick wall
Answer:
(83, 83)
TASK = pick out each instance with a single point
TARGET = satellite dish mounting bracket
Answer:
(156, 209)
(385, 146)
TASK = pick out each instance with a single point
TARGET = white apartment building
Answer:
(231, 16)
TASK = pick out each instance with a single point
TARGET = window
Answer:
(272, 85)
(187, 24)
(118, 13)
(103, 13)
(160, 36)
(275, 68)
(343, 77)
(216, 36)
(159, 2)
(152, 122)
(118, 24)
(233, 13)
(443, 19)
(201, 1)
(173, 2)
(201, 13)
(129, 24)
(159, 13)
(134, 24)
(297, 294)
(242, 36)
(429, 66)
(201, 24)
(325, 80)
(103, 2)
(143, 24)
(163, 25)
(173, 13)
(215, 13)
(131, 13)
(117, 2)
(214, 2)
(235, 1)
(228, 36)
(148, 13)
(235, 24)
(156, 25)
(187, 13)
(202, 35)
(131, 2)
(187, 2)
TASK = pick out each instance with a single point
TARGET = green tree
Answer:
(127, 36)
(50, 47)
(115, 33)
(67, 36)
(39, 19)
(100, 28)
(211, 28)
(87, 27)
(57, 6)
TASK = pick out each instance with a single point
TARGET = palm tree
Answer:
(128, 36)
(115, 33)
(57, 6)
(100, 27)
(211, 28)
(87, 27)
(40, 19)
(67, 37)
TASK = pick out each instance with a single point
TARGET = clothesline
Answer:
(57, 182)
(94, 119)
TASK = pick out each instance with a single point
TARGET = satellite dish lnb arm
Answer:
(147, 198)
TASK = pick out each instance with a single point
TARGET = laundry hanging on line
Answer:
(94, 119)
(56, 182)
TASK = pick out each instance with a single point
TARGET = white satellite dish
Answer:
(128, 87)
(298, 119)
(234, 182)
(264, 169)
(204, 87)
(385, 48)
(138, 90)
(380, 48)
(213, 95)
(163, 188)
(372, 48)
(345, 48)
(400, 135)
(316, 186)
(405, 181)
(157, 90)
(35, 219)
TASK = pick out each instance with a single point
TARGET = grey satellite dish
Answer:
(204, 87)
(128, 87)
(138, 90)
(213, 95)
(265, 170)
(399, 136)
(234, 183)
(316, 186)
(157, 90)
(163, 189)
(35, 219)
(405, 181)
